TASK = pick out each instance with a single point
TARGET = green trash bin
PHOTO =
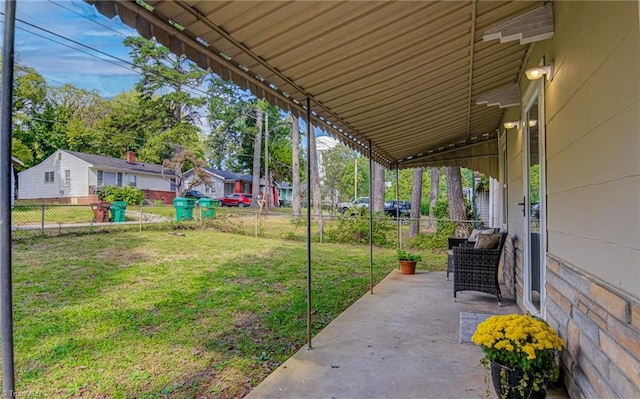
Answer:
(184, 208)
(118, 209)
(208, 207)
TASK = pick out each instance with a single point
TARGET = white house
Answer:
(222, 183)
(74, 177)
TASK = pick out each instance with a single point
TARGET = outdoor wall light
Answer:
(511, 124)
(533, 123)
(536, 73)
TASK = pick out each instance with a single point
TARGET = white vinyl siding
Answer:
(31, 182)
(64, 166)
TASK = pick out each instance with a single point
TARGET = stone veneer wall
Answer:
(600, 326)
(601, 329)
(512, 267)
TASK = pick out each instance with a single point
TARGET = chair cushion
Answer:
(487, 241)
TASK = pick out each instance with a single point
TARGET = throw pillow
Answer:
(487, 241)
(474, 235)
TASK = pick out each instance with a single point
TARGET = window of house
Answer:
(209, 189)
(109, 178)
(133, 180)
(173, 185)
(49, 177)
(67, 177)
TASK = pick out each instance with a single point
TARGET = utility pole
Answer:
(267, 183)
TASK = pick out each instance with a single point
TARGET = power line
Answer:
(131, 66)
(87, 18)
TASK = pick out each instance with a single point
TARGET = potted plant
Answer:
(520, 352)
(408, 261)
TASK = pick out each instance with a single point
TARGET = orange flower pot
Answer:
(407, 267)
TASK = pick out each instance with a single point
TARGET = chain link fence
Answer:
(52, 220)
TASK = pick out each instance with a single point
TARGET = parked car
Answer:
(237, 199)
(195, 194)
(362, 202)
(397, 208)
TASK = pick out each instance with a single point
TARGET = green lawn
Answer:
(158, 314)
(32, 214)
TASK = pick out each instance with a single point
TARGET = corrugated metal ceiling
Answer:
(403, 75)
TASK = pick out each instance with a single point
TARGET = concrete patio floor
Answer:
(400, 342)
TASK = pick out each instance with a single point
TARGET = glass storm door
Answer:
(534, 199)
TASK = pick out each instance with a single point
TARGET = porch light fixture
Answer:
(511, 124)
(536, 73)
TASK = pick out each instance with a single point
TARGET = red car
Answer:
(239, 200)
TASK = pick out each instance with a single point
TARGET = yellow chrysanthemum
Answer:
(518, 339)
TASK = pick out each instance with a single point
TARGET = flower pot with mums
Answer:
(520, 353)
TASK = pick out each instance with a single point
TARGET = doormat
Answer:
(468, 324)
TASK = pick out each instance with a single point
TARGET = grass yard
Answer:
(32, 214)
(158, 314)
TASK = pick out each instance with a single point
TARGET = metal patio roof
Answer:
(403, 76)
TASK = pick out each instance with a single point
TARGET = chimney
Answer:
(131, 157)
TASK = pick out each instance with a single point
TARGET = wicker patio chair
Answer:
(451, 243)
(469, 242)
(477, 269)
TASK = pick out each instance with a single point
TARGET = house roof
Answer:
(229, 175)
(284, 185)
(410, 81)
(117, 163)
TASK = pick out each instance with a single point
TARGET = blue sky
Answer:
(69, 41)
(68, 57)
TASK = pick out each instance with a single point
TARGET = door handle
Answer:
(522, 204)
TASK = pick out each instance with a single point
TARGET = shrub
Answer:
(129, 194)
(408, 256)
(355, 230)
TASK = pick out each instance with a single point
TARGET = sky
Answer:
(68, 41)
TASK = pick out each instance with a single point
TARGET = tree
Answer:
(33, 116)
(163, 145)
(165, 80)
(377, 199)
(232, 122)
(126, 125)
(335, 164)
(179, 164)
(295, 161)
(168, 108)
(457, 212)
(433, 196)
(416, 197)
(315, 179)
